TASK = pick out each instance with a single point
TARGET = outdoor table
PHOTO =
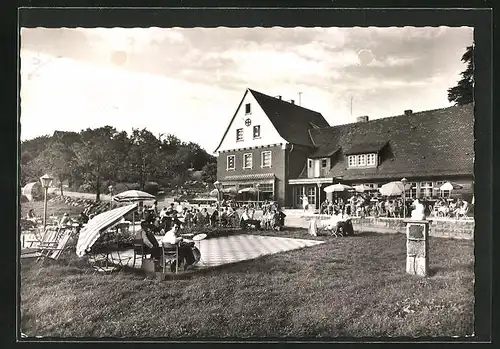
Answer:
(197, 239)
(111, 264)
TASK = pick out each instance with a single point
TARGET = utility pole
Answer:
(300, 99)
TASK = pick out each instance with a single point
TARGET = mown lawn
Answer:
(353, 286)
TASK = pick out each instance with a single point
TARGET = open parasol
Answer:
(248, 190)
(232, 191)
(337, 188)
(392, 189)
(97, 225)
(450, 186)
(362, 188)
(133, 196)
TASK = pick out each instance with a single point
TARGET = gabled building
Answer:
(290, 151)
(265, 144)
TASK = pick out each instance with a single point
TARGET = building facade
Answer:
(286, 151)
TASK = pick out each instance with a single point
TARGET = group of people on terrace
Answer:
(359, 205)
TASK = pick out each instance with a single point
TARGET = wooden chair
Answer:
(170, 254)
(139, 250)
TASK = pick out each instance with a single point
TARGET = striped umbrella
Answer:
(133, 196)
(100, 223)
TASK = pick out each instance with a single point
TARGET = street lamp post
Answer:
(46, 181)
(110, 188)
(218, 186)
(404, 181)
(258, 196)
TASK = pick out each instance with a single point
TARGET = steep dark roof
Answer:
(434, 142)
(325, 151)
(290, 120)
(364, 148)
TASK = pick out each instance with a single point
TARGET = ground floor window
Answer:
(311, 195)
(309, 191)
(411, 193)
(426, 189)
(266, 191)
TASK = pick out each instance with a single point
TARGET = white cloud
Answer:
(190, 81)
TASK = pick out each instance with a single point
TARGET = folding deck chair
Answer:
(51, 246)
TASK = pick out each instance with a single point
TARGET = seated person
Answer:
(188, 218)
(346, 226)
(170, 209)
(247, 221)
(149, 215)
(185, 248)
(64, 220)
(214, 218)
(149, 241)
(224, 217)
(206, 216)
(233, 218)
(31, 215)
(281, 217)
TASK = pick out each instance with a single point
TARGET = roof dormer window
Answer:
(362, 160)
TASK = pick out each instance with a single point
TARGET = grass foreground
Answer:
(354, 286)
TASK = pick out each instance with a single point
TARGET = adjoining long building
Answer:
(287, 151)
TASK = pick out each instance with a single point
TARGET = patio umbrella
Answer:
(97, 225)
(362, 188)
(248, 190)
(392, 189)
(450, 186)
(133, 196)
(232, 191)
(337, 188)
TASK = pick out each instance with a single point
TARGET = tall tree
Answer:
(144, 157)
(463, 93)
(58, 159)
(95, 156)
(209, 174)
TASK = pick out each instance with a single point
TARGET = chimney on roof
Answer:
(279, 97)
(363, 118)
(408, 112)
(292, 101)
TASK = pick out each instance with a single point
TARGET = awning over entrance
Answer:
(321, 180)
(249, 177)
(254, 178)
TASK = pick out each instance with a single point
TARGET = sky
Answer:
(189, 81)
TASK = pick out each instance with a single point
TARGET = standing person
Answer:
(155, 207)
(305, 203)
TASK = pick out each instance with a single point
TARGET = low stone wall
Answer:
(448, 228)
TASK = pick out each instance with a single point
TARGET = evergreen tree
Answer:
(463, 93)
